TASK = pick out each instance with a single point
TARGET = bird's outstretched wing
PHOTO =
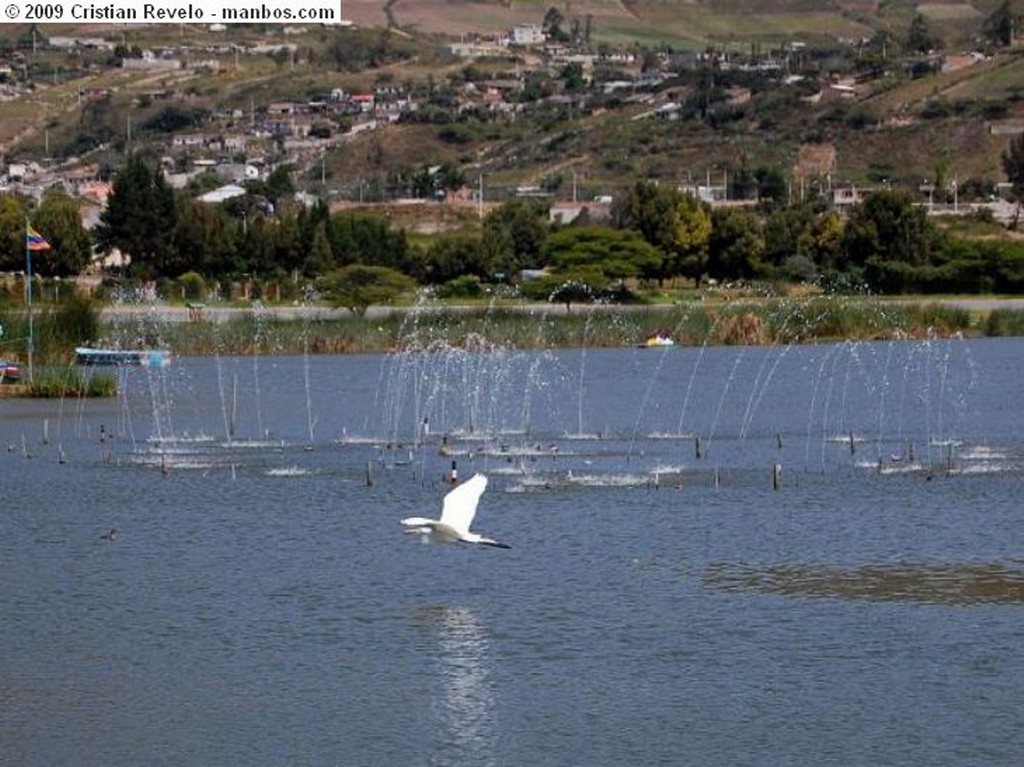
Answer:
(460, 504)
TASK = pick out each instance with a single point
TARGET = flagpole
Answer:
(28, 301)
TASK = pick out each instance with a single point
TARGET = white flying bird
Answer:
(456, 516)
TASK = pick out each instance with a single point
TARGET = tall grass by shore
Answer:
(55, 383)
(1005, 322)
(716, 323)
(737, 322)
(68, 382)
(761, 322)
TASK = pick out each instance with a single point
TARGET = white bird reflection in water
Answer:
(465, 707)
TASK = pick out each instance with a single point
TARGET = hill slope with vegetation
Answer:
(700, 141)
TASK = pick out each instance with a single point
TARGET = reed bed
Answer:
(1005, 322)
(54, 383)
(761, 322)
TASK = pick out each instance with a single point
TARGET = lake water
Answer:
(661, 602)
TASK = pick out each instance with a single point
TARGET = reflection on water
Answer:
(951, 584)
(465, 707)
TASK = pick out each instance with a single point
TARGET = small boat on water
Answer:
(10, 372)
(154, 358)
(658, 339)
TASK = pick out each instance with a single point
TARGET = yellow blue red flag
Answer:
(34, 240)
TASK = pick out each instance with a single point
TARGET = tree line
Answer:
(655, 234)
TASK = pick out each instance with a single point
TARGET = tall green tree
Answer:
(286, 255)
(919, 36)
(367, 239)
(736, 244)
(279, 184)
(576, 286)
(12, 234)
(618, 254)
(887, 226)
(206, 239)
(513, 235)
(552, 25)
(454, 255)
(676, 223)
(809, 232)
(784, 235)
(772, 187)
(256, 246)
(573, 78)
(320, 258)
(140, 219)
(358, 287)
(59, 220)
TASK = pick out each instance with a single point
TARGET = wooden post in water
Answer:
(696, 448)
(776, 475)
(853, 444)
(369, 473)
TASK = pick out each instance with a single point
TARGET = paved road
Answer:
(986, 304)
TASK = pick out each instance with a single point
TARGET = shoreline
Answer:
(717, 321)
(184, 313)
(317, 330)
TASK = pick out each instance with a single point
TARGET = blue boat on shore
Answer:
(85, 355)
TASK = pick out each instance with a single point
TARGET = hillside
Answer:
(679, 22)
(898, 119)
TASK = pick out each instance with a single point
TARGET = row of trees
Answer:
(655, 234)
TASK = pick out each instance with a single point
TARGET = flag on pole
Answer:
(34, 240)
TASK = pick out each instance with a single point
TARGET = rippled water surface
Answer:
(799, 555)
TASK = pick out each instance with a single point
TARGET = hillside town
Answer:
(222, 120)
(236, 144)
